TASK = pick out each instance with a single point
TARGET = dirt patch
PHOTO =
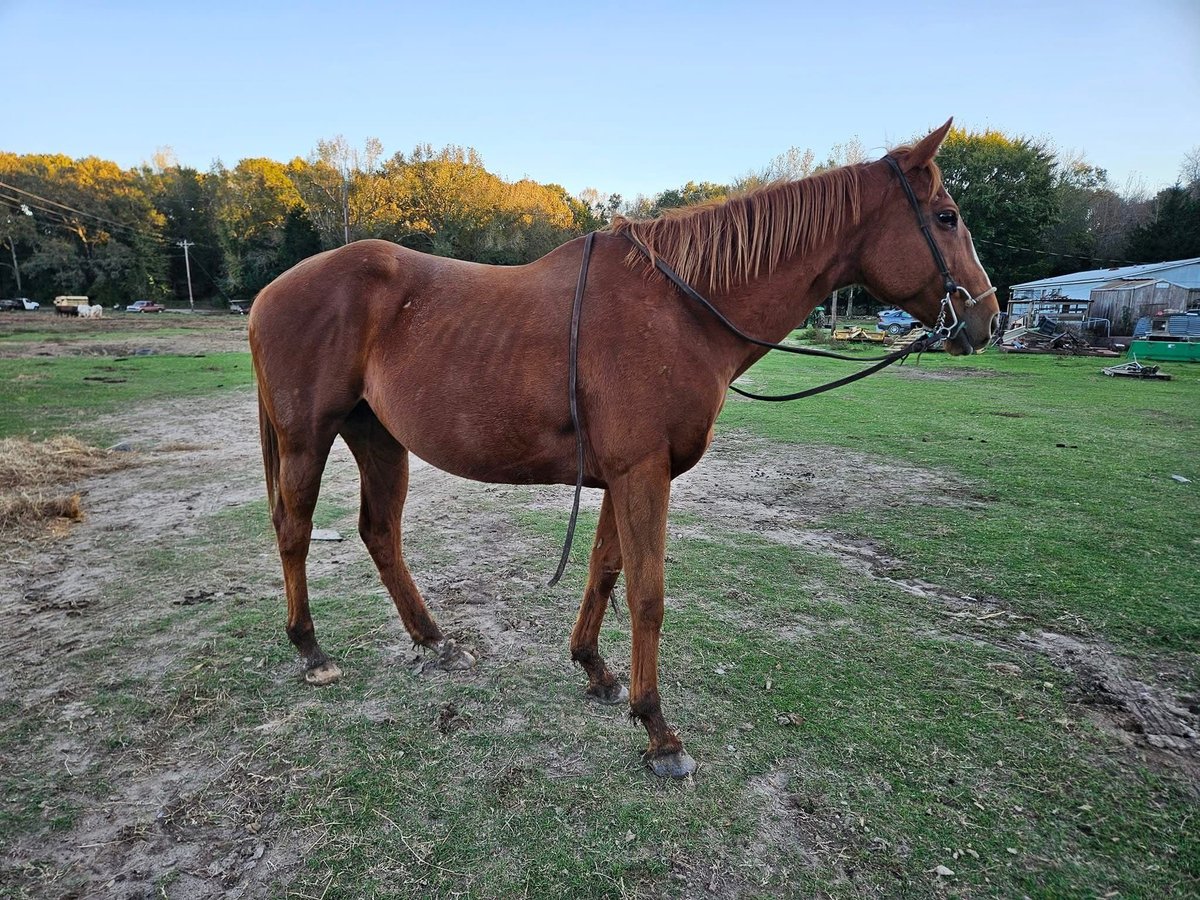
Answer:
(121, 334)
(1165, 727)
(957, 372)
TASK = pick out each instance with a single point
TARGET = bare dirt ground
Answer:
(120, 334)
(209, 818)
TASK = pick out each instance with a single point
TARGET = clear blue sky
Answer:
(624, 97)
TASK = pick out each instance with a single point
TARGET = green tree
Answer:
(18, 238)
(114, 230)
(253, 201)
(675, 198)
(300, 239)
(1072, 238)
(1005, 187)
(1174, 232)
(185, 197)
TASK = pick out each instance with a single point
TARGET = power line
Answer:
(1076, 256)
(78, 212)
(17, 203)
(64, 218)
(212, 280)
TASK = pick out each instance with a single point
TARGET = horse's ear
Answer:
(922, 154)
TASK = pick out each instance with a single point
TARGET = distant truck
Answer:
(15, 303)
(69, 306)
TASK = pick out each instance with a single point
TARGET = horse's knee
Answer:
(646, 612)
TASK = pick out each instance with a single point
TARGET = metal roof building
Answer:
(1079, 285)
(1120, 295)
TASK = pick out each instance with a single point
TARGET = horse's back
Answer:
(448, 354)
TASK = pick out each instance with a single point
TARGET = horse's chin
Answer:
(959, 345)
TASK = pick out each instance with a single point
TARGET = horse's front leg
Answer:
(603, 571)
(640, 499)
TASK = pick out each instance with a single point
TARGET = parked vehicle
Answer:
(68, 305)
(144, 306)
(15, 303)
(896, 321)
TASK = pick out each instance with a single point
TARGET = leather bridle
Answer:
(952, 287)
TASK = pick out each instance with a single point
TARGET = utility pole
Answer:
(346, 202)
(187, 264)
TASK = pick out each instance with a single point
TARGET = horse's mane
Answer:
(727, 242)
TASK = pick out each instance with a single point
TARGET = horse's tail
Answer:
(270, 450)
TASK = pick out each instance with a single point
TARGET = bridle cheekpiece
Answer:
(941, 329)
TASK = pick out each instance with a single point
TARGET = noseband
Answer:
(952, 287)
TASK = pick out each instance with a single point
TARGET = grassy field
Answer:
(52, 395)
(859, 726)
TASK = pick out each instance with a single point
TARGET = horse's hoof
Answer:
(609, 694)
(453, 658)
(326, 673)
(671, 765)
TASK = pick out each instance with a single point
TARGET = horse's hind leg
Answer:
(383, 467)
(298, 483)
(603, 571)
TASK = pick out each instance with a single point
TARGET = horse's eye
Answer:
(948, 217)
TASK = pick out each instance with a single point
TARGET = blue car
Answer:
(896, 321)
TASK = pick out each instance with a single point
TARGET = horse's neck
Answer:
(769, 307)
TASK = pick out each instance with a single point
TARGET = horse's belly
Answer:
(485, 444)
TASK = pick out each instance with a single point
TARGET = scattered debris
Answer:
(790, 718)
(1181, 479)
(859, 335)
(1049, 336)
(1134, 369)
(326, 534)
(195, 596)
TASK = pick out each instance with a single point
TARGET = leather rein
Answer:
(941, 331)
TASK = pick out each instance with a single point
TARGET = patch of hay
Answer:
(24, 510)
(31, 471)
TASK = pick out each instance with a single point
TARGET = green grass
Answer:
(111, 335)
(1081, 518)
(914, 744)
(51, 395)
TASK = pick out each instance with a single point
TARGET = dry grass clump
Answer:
(31, 471)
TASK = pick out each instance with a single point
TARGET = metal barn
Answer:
(1121, 295)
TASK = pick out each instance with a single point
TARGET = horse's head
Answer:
(933, 273)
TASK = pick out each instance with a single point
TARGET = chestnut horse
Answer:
(466, 366)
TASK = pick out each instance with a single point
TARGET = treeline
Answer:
(1033, 212)
(87, 226)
